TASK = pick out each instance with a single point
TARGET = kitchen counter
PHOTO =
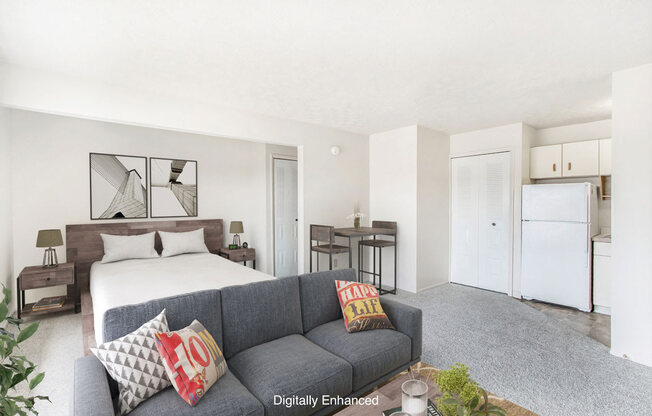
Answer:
(602, 238)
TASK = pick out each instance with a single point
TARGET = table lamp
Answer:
(235, 229)
(49, 239)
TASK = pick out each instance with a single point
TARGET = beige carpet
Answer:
(54, 348)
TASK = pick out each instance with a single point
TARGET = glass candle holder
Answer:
(415, 397)
(400, 414)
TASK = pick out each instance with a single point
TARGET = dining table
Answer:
(361, 232)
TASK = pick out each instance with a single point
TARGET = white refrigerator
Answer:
(558, 222)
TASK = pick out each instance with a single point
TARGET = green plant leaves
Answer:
(36, 380)
(3, 311)
(27, 332)
(15, 369)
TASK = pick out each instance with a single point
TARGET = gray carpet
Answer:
(518, 352)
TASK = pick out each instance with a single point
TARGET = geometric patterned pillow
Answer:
(361, 308)
(192, 359)
(135, 363)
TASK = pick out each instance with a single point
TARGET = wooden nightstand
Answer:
(35, 277)
(239, 255)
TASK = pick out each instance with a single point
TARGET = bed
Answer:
(105, 286)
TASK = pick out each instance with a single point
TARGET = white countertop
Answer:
(602, 238)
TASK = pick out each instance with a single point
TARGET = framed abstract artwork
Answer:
(118, 186)
(173, 188)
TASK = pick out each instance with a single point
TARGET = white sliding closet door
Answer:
(494, 222)
(464, 218)
(481, 208)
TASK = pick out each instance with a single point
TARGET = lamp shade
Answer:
(236, 227)
(49, 238)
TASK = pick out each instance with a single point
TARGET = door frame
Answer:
(273, 157)
(510, 151)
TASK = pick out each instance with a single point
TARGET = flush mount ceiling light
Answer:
(335, 150)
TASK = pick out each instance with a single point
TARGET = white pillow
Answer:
(180, 243)
(123, 247)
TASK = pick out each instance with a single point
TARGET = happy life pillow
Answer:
(192, 360)
(361, 307)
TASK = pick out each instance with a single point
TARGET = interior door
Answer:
(494, 223)
(464, 221)
(285, 218)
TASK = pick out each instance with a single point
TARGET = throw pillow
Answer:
(183, 242)
(124, 247)
(361, 307)
(193, 361)
(135, 363)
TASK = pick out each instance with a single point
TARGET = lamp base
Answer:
(236, 240)
(50, 258)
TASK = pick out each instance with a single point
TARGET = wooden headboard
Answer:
(84, 245)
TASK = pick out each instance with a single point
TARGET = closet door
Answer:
(464, 221)
(494, 223)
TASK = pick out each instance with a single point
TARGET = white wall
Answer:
(6, 261)
(393, 197)
(631, 309)
(330, 186)
(573, 133)
(512, 138)
(432, 208)
(51, 176)
(408, 170)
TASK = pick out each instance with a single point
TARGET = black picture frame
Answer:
(190, 213)
(107, 166)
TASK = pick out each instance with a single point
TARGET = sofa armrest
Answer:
(406, 319)
(91, 394)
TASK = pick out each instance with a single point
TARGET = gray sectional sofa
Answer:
(282, 337)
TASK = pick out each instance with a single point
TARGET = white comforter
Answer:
(135, 281)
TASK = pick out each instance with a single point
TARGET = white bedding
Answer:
(140, 280)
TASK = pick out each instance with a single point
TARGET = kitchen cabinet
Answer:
(580, 158)
(605, 157)
(602, 277)
(545, 162)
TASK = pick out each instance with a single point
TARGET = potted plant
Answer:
(14, 368)
(461, 396)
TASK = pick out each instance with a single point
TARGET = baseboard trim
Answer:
(432, 286)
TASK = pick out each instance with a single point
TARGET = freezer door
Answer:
(556, 202)
(556, 263)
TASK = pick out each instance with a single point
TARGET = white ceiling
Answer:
(363, 66)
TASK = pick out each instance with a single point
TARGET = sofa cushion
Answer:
(361, 307)
(259, 312)
(291, 366)
(319, 302)
(372, 354)
(180, 310)
(227, 397)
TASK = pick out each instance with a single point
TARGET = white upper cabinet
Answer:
(580, 158)
(545, 162)
(605, 157)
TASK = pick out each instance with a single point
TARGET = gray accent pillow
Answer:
(134, 362)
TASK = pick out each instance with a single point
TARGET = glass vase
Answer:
(356, 222)
(415, 397)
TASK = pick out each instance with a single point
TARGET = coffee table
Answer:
(389, 395)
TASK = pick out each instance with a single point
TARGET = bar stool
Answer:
(324, 234)
(378, 244)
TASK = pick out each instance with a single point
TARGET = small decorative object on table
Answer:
(235, 229)
(245, 245)
(356, 216)
(415, 397)
(48, 239)
(461, 395)
(430, 411)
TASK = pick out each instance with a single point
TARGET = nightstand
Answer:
(239, 255)
(36, 277)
